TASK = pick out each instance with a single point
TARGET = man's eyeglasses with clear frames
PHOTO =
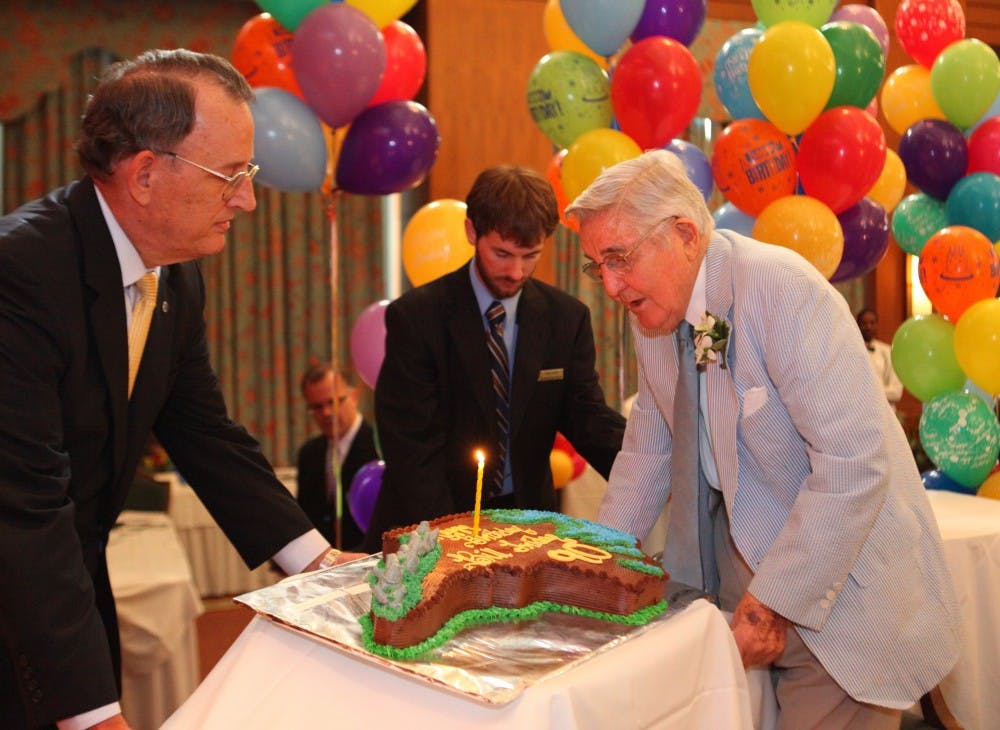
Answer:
(620, 263)
(233, 182)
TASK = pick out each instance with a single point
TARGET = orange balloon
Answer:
(806, 226)
(991, 487)
(907, 97)
(562, 467)
(262, 52)
(891, 184)
(592, 153)
(434, 241)
(958, 267)
(554, 174)
(753, 164)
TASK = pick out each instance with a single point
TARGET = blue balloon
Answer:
(993, 111)
(975, 202)
(603, 25)
(288, 141)
(696, 164)
(730, 75)
(937, 479)
(730, 217)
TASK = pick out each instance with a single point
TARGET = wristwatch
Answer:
(330, 559)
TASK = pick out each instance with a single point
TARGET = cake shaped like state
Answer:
(437, 579)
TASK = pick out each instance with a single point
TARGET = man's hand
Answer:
(759, 632)
(117, 722)
(341, 557)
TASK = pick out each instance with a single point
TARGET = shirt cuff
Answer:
(296, 555)
(88, 719)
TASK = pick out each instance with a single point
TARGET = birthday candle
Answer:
(479, 493)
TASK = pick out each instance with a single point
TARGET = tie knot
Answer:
(496, 314)
(147, 285)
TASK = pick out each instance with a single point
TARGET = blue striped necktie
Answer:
(500, 371)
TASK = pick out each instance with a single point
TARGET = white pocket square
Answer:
(753, 399)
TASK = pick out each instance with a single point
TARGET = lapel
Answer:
(532, 326)
(468, 338)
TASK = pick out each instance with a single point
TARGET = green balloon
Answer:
(965, 79)
(289, 13)
(916, 219)
(961, 436)
(813, 12)
(859, 61)
(569, 94)
(923, 356)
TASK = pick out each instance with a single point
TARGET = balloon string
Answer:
(331, 211)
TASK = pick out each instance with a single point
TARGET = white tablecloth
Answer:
(684, 673)
(157, 606)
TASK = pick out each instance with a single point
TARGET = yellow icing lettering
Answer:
(576, 550)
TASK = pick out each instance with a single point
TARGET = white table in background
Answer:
(157, 606)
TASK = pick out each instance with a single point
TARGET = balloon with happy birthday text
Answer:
(935, 155)
(806, 226)
(984, 147)
(568, 94)
(907, 98)
(916, 219)
(289, 143)
(977, 344)
(602, 24)
(891, 184)
(435, 242)
(868, 17)
(591, 154)
(729, 75)
(926, 27)
(368, 341)
(961, 436)
(860, 64)
(810, 12)
(975, 202)
(677, 19)
(696, 165)
(923, 356)
(753, 164)
(262, 52)
(965, 79)
(958, 267)
(406, 64)
(866, 238)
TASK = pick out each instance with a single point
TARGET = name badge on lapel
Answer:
(553, 374)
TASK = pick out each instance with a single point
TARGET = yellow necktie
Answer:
(142, 315)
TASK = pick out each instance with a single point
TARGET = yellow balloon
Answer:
(991, 487)
(383, 12)
(977, 344)
(891, 184)
(561, 37)
(907, 97)
(806, 226)
(790, 72)
(562, 467)
(434, 241)
(590, 154)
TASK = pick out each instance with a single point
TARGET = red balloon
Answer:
(753, 164)
(958, 267)
(579, 466)
(655, 91)
(984, 148)
(406, 64)
(925, 27)
(841, 156)
(562, 444)
(262, 52)
(554, 175)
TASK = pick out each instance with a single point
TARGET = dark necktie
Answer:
(500, 371)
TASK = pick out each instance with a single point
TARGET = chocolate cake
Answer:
(436, 579)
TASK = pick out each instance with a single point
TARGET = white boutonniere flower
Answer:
(711, 338)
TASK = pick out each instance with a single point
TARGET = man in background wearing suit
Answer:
(794, 493)
(346, 443)
(436, 399)
(166, 142)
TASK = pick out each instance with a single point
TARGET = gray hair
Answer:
(645, 190)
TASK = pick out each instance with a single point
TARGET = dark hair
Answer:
(317, 371)
(515, 202)
(862, 312)
(148, 103)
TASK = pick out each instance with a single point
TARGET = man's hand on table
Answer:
(336, 557)
(759, 632)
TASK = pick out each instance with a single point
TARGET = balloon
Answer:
(935, 155)
(975, 202)
(791, 72)
(677, 19)
(961, 436)
(602, 24)
(730, 75)
(568, 94)
(406, 64)
(368, 341)
(696, 165)
(554, 175)
(288, 141)
(561, 37)
(562, 443)
(888, 189)
(772, 12)
(868, 17)
(730, 217)
(339, 56)
(923, 356)
(993, 111)
(383, 12)
(434, 241)
(965, 79)
(958, 267)
(290, 12)
(977, 344)
(937, 479)
(907, 98)
(262, 53)
(841, 155)
(562, 468)
(591, 154)
(991, 487)
(806, 226)
(925, 27)
(753, 164)
(388, 148)
(984, 147)
(579, 466)
(866, 237)
(364, 491)
(860, 64)
(916, 219)
(655, 91)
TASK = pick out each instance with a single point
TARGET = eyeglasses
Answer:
(322, 406)
(233, 182)
(620, 263)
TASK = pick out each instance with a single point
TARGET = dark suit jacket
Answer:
(311, 479)
(434, 402)
(70, 440)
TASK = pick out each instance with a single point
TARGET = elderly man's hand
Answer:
(759, 632)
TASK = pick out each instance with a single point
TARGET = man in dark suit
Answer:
(346, 441)
(435, 399)
(166, 141)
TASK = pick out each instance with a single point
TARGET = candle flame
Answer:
(480, 456)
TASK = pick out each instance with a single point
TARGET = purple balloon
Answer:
(338, 55)
(868, 17)
(696, 165)
(387, 149)
(935, 155)
(364, 491)
(866, 238)
(368, 341)
(677, 19)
